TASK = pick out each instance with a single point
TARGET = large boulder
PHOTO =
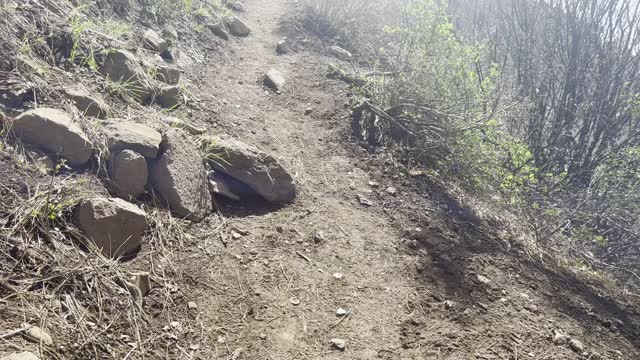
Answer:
(237, 27)
(127, 135)
(258, 170)
(154, 42)
(124, 67)
(55, 132)
(129, 174)
(180, 178)
(88, 104)
(115, 226)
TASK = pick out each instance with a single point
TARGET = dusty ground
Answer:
(267, 282)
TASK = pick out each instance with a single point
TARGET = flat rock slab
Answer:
(259, 171)
(129, 174)
(180, 178)
(115, 226)
(127, 135)
(55, 132)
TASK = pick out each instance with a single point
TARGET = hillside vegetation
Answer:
(530, 105)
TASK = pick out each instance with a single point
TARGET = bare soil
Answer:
(454, 292)
(264, 282)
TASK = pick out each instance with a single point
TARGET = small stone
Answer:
(153, 41)
(338, 276)
(308, 111)
(559, 338)
(283, 47)
(174, 324)
(236, 235)
(170, 34)
(192, 305)
(576, 345)
(449, 304)
(221, 339)
(318, 237)
(339, 344)
(483, 279)
(275, 80)
(280, 229)
(391, 190)
(364, 201)
(38, 335)
(532, 307)
(374, 184)
(237, 27)
(168, 74)
(194, 347)
(263, 336)
(169, 97)
(295, 301)
(341, 312)
(483, 306)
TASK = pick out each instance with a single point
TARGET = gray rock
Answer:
(275, 80)
(449, 304)
(237, 27)
(88, 104)
(576, 345)
(391, 190)
(154, 42)
(340, 53)
(170, 34)
(169, 97)
(339, 344)
(219, 29)
(122, 66)
(283, 47)
(129, 174)
(127, 135)
(259, 171)
(114, 226)
(180, 178)
(26, 355)
(55, 132)
(38, 335)
(167, 74)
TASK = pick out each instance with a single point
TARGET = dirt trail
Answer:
(249, 287)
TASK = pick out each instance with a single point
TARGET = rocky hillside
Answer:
(177, 181)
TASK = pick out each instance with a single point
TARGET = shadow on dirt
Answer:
(462, 249)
